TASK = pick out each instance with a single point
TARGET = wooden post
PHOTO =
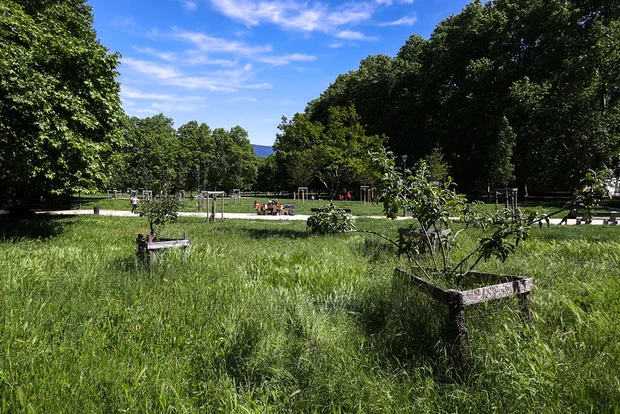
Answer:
(185, 251)
(525, 304)
(397, 292)
(213, 201)
(456, 331)
(152, 257)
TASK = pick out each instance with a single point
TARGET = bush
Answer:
(330, 220)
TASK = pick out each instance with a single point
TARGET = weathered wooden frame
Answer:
(456, 300)
(302, 194)
(149, 247)
(367, 194)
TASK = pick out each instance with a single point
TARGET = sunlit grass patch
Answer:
(265, 317)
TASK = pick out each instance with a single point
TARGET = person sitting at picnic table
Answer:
(256, 205)
(279, 208)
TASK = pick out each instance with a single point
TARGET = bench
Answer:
(288, 210)
(612, 219)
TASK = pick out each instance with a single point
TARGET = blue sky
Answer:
(249, 62)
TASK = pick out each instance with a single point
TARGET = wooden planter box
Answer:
(494, 286)
(147, 248)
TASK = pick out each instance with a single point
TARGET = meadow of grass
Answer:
(264, 317)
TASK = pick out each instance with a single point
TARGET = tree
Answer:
(267, 174)
(59, 103)
(337, 153)
(150, 154)
(512, 90)
(197, 145)
(233, 163)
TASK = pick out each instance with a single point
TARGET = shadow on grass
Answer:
(39, 227)
(261, 234)
(412, 339)
(376, 249)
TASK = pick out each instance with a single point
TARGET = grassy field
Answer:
(264, 317)
(243, 205)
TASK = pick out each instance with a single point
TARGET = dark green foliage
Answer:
(336, 153)
(59, 103)
(330, 220)
(160, 211)
(593, 191)
(158, 157)
(524, 91)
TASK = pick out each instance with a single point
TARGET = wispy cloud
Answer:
(352, 35)
(286, 59)
(222, 81)
(215, 44)
(293, 15)
(403, 21)
(170, 56)
(189, 5)
(123, 21)
(189, 56)
(151, 68)
(128, 92)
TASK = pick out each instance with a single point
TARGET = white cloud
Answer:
(170, 56)
(128, 22)
(214, 44)
(352, 35)
(286, 59)
(406, 1)
(403, 21)
(386, 2)
(150, 68)
(293, 15)
(189, 5)
(189, 56)
(128, 92)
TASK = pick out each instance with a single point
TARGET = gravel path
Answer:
(246, 216)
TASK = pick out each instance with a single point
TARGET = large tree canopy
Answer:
(337, 154)
(509, 89)
(155, 156)
(59, 103)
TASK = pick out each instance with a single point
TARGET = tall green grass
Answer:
(264, 317)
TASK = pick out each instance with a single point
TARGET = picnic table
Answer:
(273, 210)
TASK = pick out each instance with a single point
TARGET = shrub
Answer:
(330, 220)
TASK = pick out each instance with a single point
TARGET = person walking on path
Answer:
(134, 203)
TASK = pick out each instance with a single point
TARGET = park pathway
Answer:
(247, 216)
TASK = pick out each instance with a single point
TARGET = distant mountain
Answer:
(262, 151)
